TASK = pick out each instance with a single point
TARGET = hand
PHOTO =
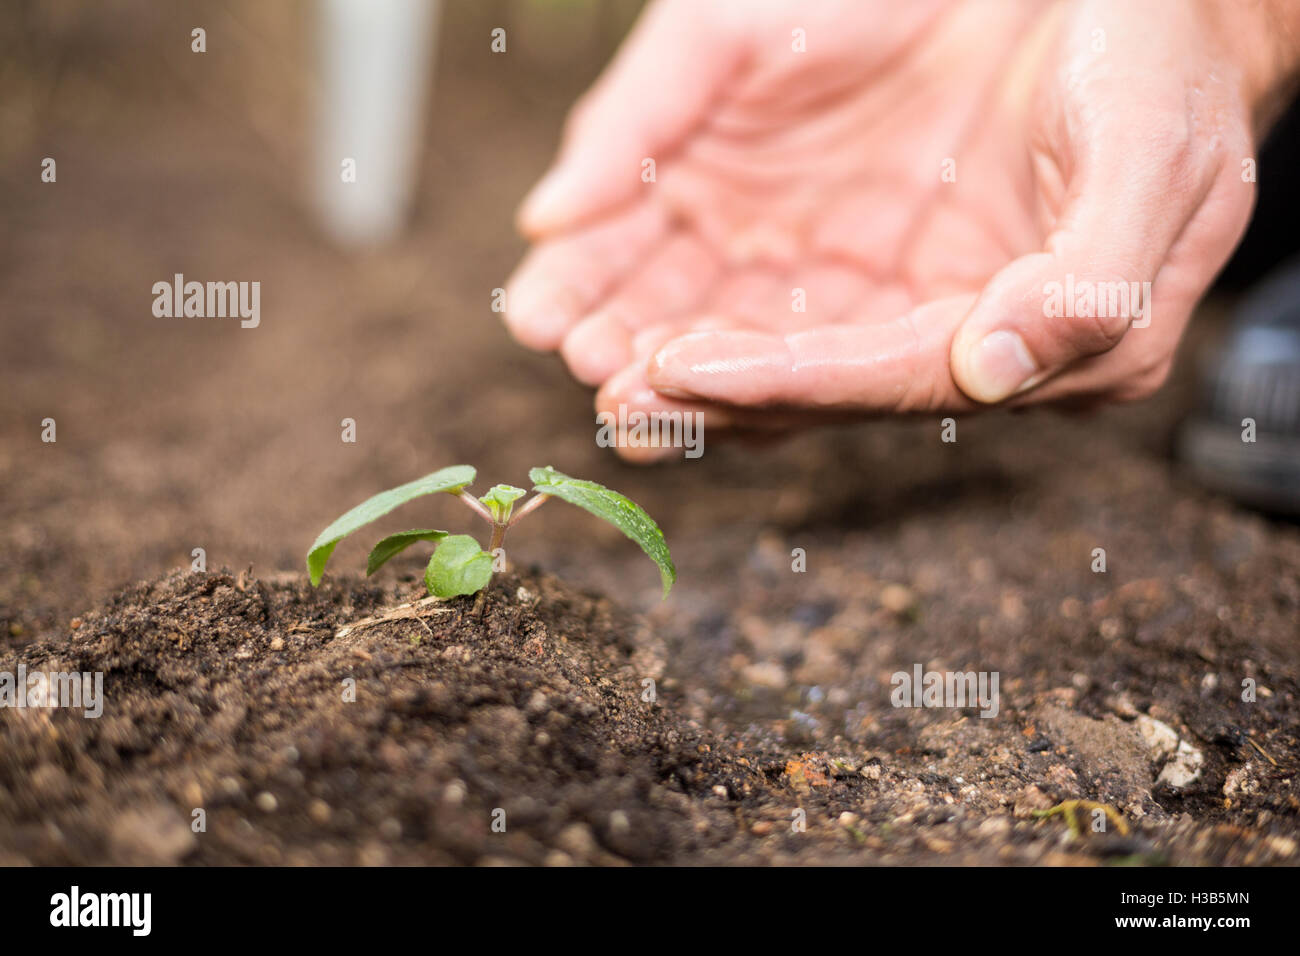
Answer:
(924, 173)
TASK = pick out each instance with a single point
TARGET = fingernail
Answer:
(667, 368)
(1000, 366)
(672, 391)
(740, 367)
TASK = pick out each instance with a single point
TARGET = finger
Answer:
(892, 366)
(1139, 365)
(626, 393)
(562, 279)
(597, 347)
(672, 280)
(650, 97)
(627, 396)
(651, 340)
(602, 345)
(1131, 197)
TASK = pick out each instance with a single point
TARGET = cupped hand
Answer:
(860, 208)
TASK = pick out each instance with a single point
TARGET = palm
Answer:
(840, 210)
(850, 209)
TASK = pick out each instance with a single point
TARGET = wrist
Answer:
(1264, 39)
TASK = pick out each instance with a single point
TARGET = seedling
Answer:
(459, 565)
(1069, 809)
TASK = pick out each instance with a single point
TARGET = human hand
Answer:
(1085, 143)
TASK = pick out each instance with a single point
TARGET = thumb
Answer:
(1093, 281)
(649, 98)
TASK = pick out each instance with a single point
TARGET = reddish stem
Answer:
(532, 504)
(476, 506)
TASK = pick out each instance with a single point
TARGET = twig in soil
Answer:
(1069, 809)
(1264, 752)
(428, 630)
(425, 607)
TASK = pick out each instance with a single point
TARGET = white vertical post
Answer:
(375, 60)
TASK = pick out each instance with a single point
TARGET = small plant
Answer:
(459, 565)
(1069, 809)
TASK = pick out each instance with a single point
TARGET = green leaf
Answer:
(621, 512)
(500, 499)
(395, 544)
(459, 566)
(447, 479)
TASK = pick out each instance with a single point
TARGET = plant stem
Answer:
(476, 506)
(532, 504)
(499, 529)
(498, 539)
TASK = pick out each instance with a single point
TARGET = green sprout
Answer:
(459, 565)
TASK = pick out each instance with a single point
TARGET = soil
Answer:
(771, 694)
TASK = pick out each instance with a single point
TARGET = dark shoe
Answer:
(1255, 379)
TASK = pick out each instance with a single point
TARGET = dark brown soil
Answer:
(225, 689)
(345, 725)
(390, 743)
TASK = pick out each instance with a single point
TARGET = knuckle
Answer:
(1099, 332)
(921, 393)
(1170, 138)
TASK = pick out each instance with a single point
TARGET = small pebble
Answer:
(766, 674)
(319, 811)
(454, 792)
(1184, 768)
(896, 598)
(1159, 737)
